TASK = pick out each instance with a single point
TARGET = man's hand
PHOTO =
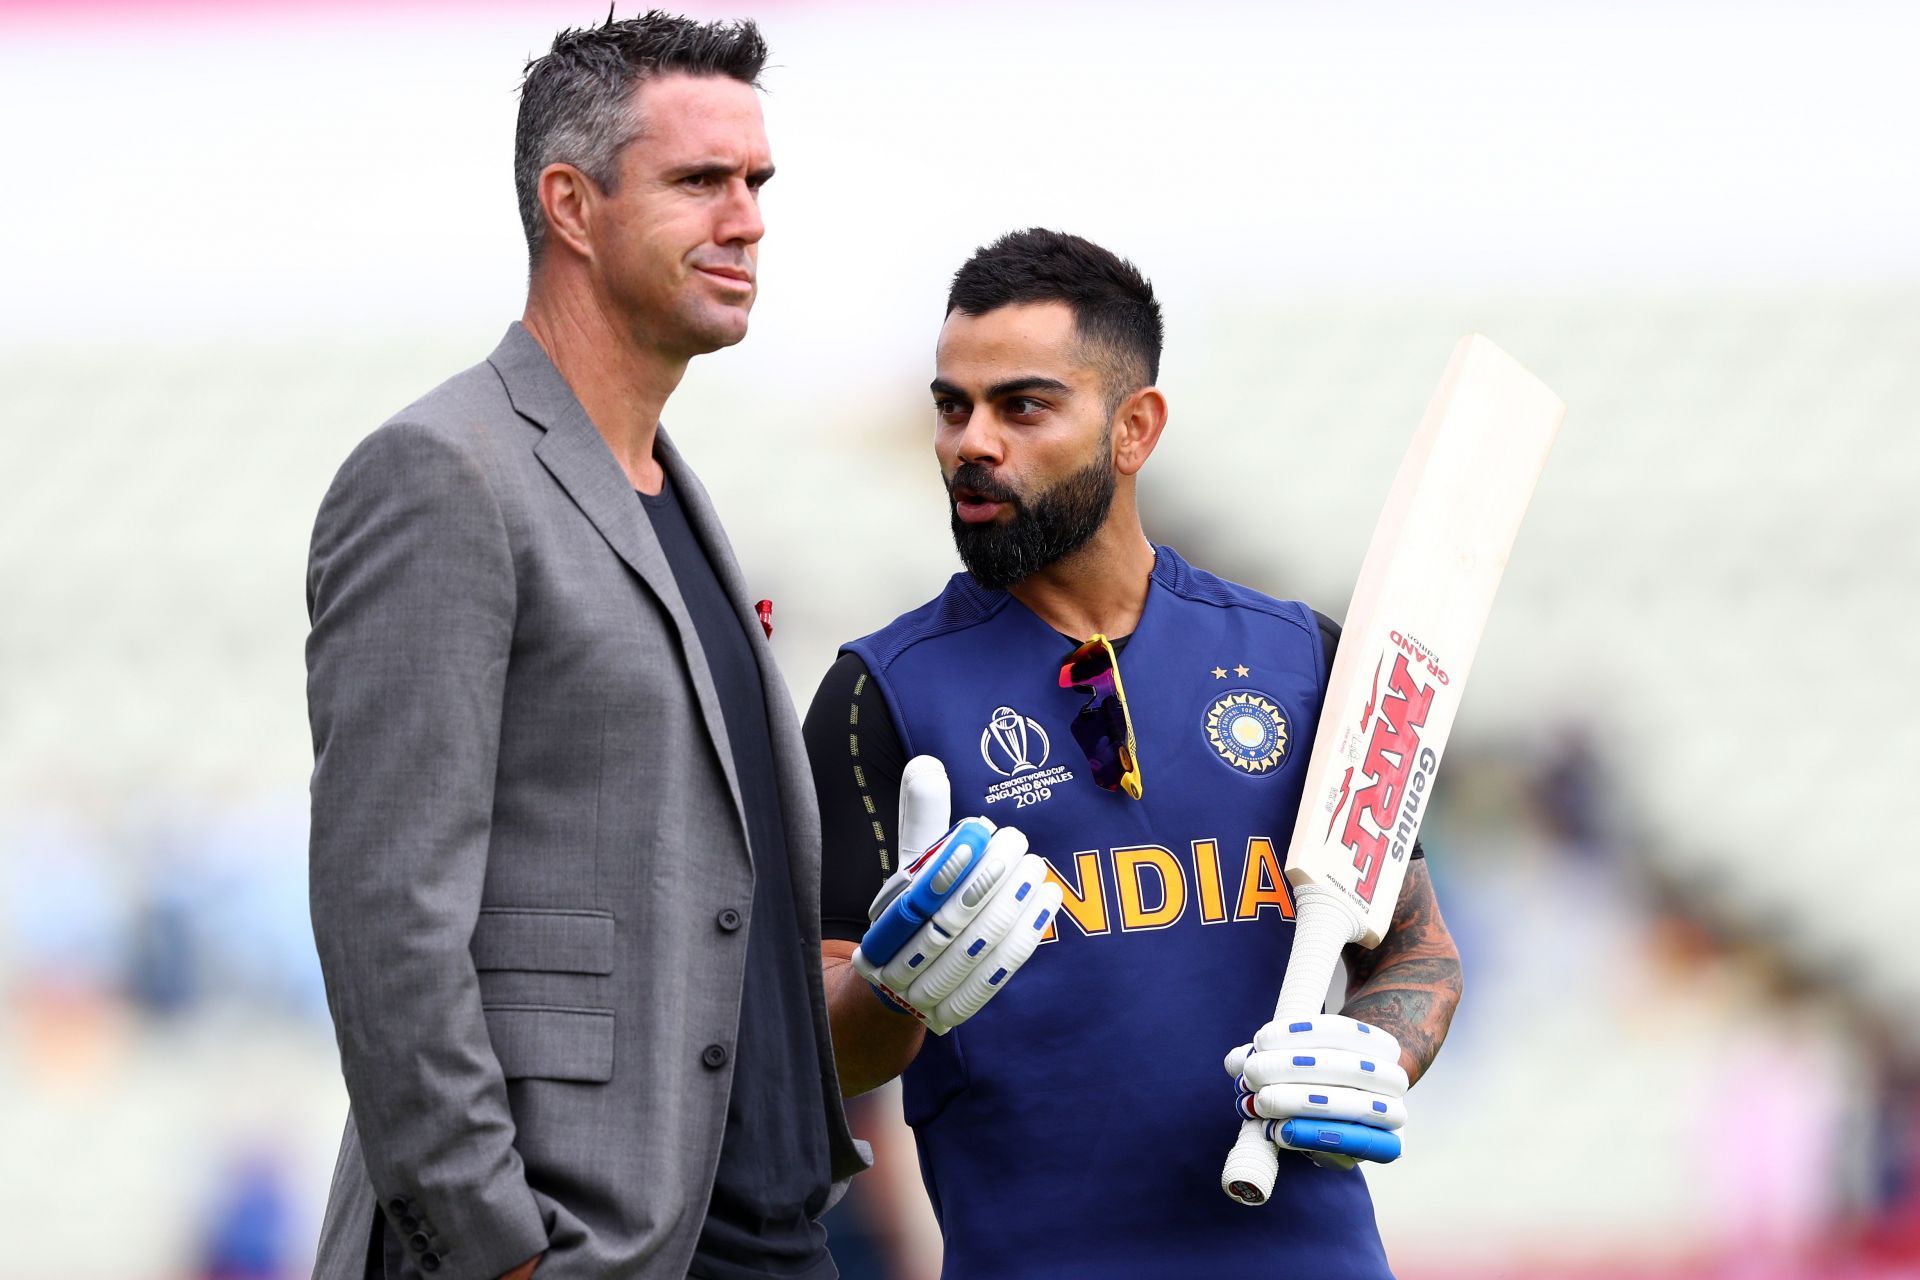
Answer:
(1327, 1067)
(972, 907)
(525, 1269)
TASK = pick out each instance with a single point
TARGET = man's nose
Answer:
(740, 220)
(982, 440)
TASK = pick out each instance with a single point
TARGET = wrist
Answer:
(892, 1005)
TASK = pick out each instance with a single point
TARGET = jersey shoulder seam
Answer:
(1197, 586)
(948, 613)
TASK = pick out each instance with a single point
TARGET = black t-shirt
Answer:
(774, 1171)
(857, 761)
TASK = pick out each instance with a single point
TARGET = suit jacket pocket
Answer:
(551, 1043)
(543, 940)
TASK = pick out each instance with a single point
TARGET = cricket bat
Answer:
(1411, 629)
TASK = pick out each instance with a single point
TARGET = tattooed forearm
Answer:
(1410, 984)
(1418, 1019)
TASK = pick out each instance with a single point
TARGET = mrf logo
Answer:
(1375, 821)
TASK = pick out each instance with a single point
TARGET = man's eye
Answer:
(694, 180)
(1025, 406)
(949, 408)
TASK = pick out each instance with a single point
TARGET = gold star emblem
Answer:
(1219, 673)
(1242, 672)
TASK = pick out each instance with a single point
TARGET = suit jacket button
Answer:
(729, 919)
(429, 1262)
(396, 1206)
(714, 1055)
(419, 1241)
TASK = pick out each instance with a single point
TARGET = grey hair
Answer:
(577, 103)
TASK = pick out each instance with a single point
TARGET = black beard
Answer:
(1046, 529)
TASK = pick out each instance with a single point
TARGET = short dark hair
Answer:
(576, 101)
(1113, 304)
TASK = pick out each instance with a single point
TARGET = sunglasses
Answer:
(1103, 728)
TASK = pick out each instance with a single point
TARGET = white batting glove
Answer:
(1327, 1067)
(1001, 903)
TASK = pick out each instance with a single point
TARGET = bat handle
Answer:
(1323, 924)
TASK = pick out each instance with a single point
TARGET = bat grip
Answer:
(1323, 924)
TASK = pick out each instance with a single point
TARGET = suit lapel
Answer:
(577, 456)
(798, 804)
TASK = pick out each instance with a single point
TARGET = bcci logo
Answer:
(1248, 731)
(1009, 742)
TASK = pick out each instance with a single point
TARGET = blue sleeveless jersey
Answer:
(1077, 1125)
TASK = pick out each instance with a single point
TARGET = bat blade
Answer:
(1414, 623)
(1412, 628)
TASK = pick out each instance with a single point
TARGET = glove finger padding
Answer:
(1323, 1102)
(925, 805)
(1329, 1031)
(1334, 1144)
(991, 918)
(1004, 850)
(1335, 1067)
(1328, 1048)
(917, 960)
(1004, 959)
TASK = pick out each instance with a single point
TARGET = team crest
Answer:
(1248, 730)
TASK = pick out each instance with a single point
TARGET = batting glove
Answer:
(959, 919)
(1314, 1077)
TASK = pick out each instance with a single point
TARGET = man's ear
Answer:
(567, 196)
(1136, 429)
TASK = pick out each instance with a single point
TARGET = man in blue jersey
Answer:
(1142, 726)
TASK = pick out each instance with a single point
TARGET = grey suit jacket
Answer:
(529, 860)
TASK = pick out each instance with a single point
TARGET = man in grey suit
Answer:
(565, 851)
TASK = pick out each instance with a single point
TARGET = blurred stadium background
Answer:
(1673, 841)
